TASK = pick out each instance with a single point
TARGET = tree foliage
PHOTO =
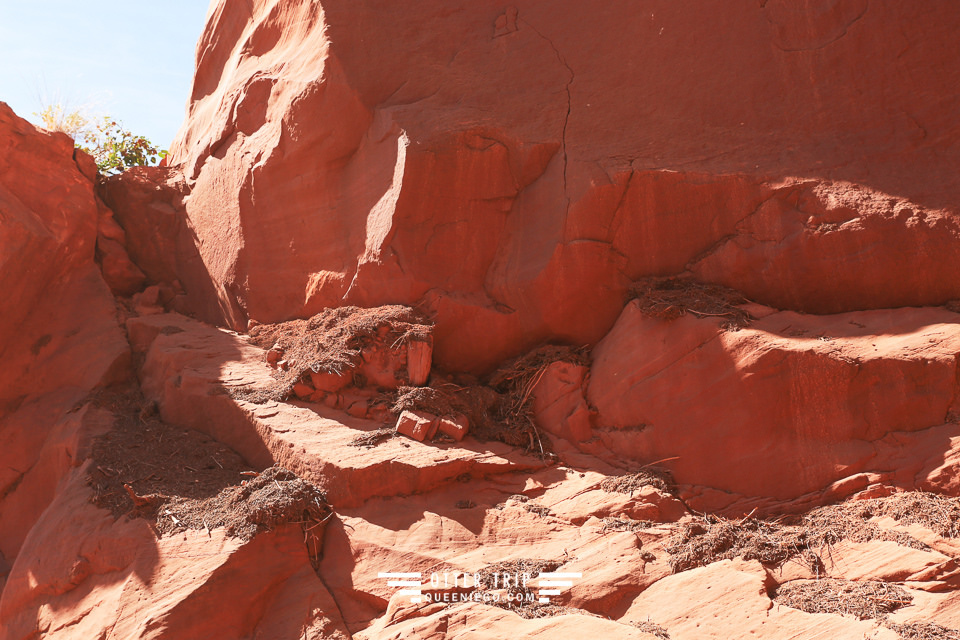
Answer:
(113, 147)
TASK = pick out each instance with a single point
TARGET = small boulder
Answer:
(419, 360)
(302, 390)
(455, 427)
(359, 409)
(329, 381)
(417, 425)
(274, 355)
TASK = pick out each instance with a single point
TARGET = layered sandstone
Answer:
(516, 166)
(511, 171)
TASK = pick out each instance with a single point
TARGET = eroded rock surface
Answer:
(739, 220)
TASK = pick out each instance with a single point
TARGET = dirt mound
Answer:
(184, 479)
(775, 542)
(272, 498)
(670, 298)
(155, 460)
(654, 477)
(864, 600)
(332, 342)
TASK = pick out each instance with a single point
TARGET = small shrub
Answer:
(112, 147)
(116, 149)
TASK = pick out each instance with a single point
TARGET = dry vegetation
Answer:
(863, 600)
(184, 479)
(523, 599)
(670, 298)
(655, 477)
(500, 410)
(626, 524)
(806, 538)
(373, 438)
(922, 631)
(331, 341)
(653, 629)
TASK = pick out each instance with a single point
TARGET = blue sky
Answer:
(130, 59)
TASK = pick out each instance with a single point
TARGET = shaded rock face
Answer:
(492, 161)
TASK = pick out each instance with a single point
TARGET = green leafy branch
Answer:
(114, 148)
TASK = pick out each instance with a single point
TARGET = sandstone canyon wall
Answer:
(781, 177)
(516, 166)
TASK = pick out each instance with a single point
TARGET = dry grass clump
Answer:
(489, 577)
(373, 438)
(775, 542)
(538, 509)
(626, 524)
(522, 599)
(655, 477)
(653, 629)
(670, 298)
(543, 610)
(331, 341)
(516, 381)
(940, 514)
(700, 543)
(923, 631)
(274, 497)
(863, 600)
(477, 403)
(517, 497)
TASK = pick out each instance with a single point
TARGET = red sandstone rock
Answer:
(621, 171)
(779, 409)
(359, 408)
(303, 391)
(382, 366)
(351, 153)
(558, 402)
(419, 360)
(417, 425)
(456, 427)
(329, 381)
(273, 356)
(121, 275)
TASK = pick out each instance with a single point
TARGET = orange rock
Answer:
(419, 360)
(303, 390)
(455, 427)
(784, 407)
(329, 381)
(526, 226)
(382, 366)
(417, 425)
(559, 405)
(333, 400)
(273, 356)
(358, 409)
